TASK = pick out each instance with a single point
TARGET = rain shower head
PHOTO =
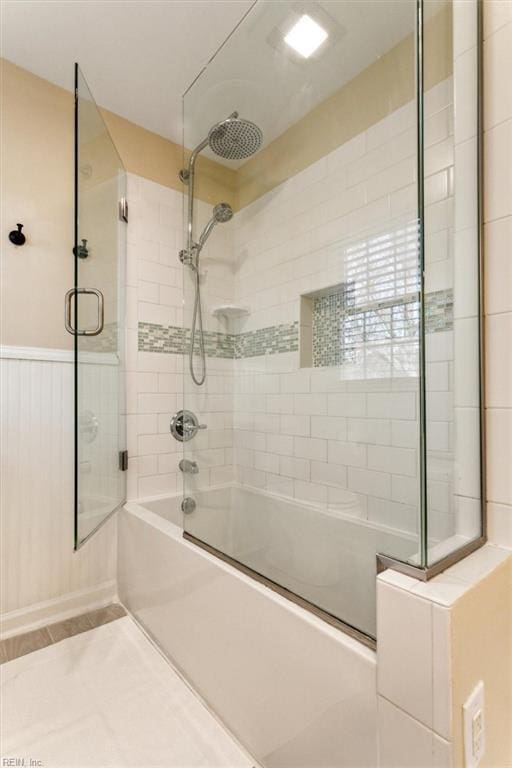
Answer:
(235, 138)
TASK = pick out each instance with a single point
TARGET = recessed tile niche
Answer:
(321, 314)
(333, 324)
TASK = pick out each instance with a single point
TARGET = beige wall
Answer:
(36, 153)
(37, 171)
(153, 157)
(36, 189)
(481, 638)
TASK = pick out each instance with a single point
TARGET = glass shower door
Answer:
(340, 300)
(311, 461)
(94, 315)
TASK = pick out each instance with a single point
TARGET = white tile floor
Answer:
(107, 698)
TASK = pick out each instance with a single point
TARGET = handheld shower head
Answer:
(222, 213)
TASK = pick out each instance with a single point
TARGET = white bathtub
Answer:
(294, 690)
(324, 556)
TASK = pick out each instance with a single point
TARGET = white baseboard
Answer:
(59, 608)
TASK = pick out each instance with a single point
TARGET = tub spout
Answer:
(189, 467)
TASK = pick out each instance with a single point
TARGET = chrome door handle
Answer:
(101, 312)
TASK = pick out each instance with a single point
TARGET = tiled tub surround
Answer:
(304, 433)
(156, 286)
(346, 437)
(339, 328)
(347, 446)
(430, 657)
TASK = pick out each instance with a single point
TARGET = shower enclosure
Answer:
(95, 311)
(341, 384)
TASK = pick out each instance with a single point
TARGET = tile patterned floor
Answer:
(106, 697)
(20, 645)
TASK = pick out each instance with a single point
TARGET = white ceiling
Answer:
(139, 56)
(267, 84)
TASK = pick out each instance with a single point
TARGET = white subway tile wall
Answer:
(154, 381)
(156, 298)
(302, 431)
(358, 435)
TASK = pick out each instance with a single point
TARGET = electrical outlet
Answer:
(474, 727)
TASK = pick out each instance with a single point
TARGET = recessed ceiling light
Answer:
(306, 36)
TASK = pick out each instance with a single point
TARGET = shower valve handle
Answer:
(184, 426)
(194, 427)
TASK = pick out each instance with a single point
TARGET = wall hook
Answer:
(81, 250)
(16, 236)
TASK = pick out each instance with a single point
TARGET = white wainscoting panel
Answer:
(39, 568)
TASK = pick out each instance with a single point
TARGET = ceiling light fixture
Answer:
(306, 36)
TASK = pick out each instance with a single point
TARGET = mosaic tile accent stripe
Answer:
(216, 344)
(340, 327)
(268, 341)
(174, 340)
(439, 311)
(170, 339)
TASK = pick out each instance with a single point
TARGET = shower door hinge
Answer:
(123, 460)
(123, 209)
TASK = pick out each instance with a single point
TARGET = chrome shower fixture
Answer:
(190, 257)
(233, 139)
(222, 213)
